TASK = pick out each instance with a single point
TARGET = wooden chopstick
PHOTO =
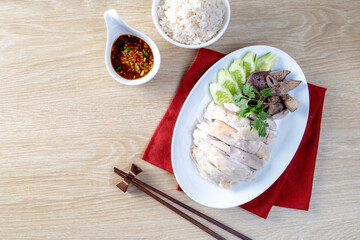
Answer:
(174, 209)
(138, 183)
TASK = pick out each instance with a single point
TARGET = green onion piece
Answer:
(127, 49)
(118, 68)
(145, 53)
(145, 64)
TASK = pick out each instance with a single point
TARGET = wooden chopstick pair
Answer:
(131, 178)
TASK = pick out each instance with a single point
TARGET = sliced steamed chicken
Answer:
(227, 115)
(226, 150)
(234, 137)
(208, 170)
(258, 148)
(216, 112)
(227, 172)
(233, 154)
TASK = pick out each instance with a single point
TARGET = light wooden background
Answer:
(65, 123)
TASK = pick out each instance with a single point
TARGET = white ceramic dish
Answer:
(290, 133)
(211, 41)
(116, 27)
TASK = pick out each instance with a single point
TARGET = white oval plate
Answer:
(290, 133)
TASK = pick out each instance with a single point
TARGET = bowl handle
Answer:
(115, 23)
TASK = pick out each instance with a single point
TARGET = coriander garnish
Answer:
(249, 101)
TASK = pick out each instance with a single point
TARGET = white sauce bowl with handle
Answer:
(116, 27)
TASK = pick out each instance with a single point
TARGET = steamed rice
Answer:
(191, 22)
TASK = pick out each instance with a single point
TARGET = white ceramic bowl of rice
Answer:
(191, 23)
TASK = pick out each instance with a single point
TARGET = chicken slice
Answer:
(199, 134)
(257, 148)
(208, 170)
(234, 109)
(215, 112)
(272, 124)
(248, 134)
(230, 136)
(231, 107)
(228, 172)
(221, 161)
(232, 153)
(238, 155)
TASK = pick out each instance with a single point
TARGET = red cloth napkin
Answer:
(292, 189)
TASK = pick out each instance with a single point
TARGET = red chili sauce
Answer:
(131, 57)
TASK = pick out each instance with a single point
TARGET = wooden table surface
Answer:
(65, 122)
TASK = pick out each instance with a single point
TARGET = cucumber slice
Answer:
(266, 62)
(225, 79)
(237, 71)
(220, 94)
(249, 62)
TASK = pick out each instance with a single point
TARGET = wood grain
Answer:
(65, 122)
